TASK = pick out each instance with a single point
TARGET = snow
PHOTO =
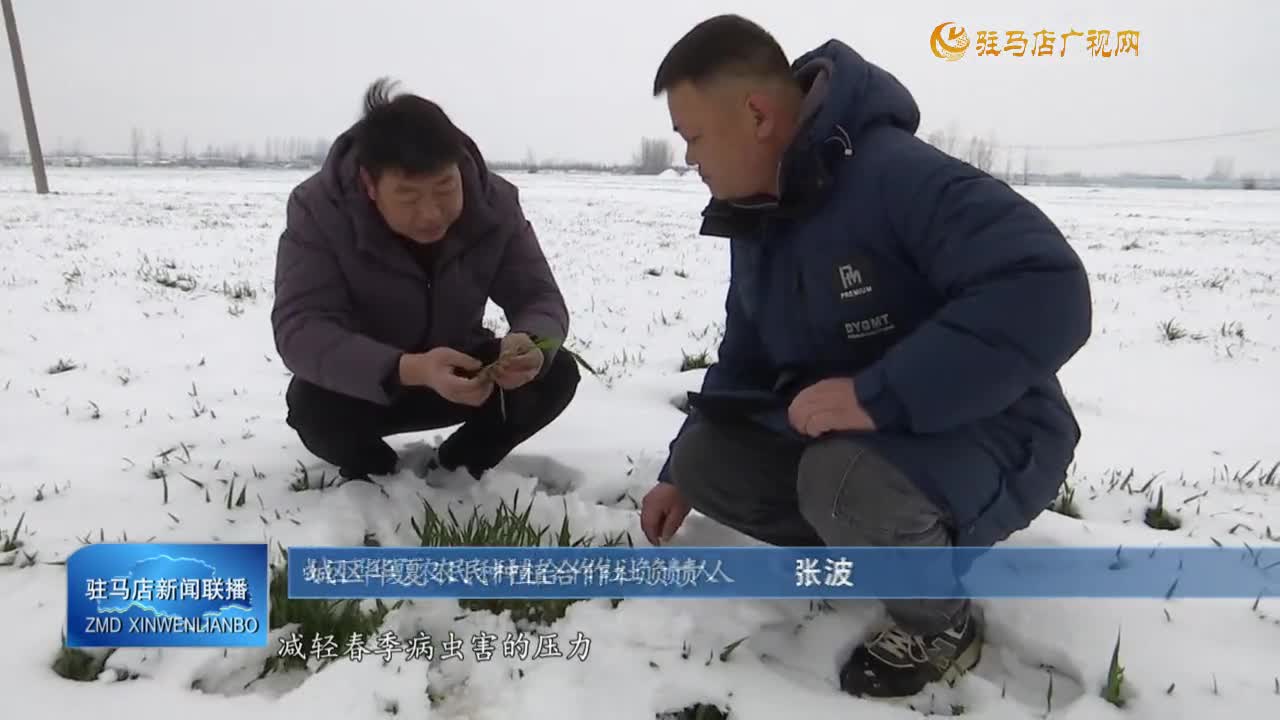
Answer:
(189, 381)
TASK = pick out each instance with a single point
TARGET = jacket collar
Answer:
(809, 173)
(805, 173)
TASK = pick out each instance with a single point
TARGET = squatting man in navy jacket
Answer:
(895, 321)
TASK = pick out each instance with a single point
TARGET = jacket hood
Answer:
(847, 95)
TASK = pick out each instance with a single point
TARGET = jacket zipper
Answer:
(430, 307)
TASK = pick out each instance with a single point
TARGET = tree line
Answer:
(653, 156)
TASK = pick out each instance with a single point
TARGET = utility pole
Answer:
(24, 98)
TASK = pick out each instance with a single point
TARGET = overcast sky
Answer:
(571, 80)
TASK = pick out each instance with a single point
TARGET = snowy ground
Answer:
(97, 281)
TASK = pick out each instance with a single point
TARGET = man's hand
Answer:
(829, 405)
(519, 362)
(662, 511)
(442, 370)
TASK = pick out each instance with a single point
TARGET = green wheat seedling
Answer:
(509, 527)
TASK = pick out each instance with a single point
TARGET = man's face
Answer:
(419, 207)
(728, 137)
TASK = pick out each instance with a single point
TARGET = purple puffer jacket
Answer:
(350, 298)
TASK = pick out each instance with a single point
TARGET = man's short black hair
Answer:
(405, 132)
(722, 45)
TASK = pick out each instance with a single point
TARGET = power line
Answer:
(1141, 143)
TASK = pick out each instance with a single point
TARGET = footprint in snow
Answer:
(553, 476)
(417, 457)
(1028, 671)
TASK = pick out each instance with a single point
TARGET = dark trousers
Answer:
(348, 432)
(833, 492)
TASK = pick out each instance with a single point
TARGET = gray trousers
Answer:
(833, 492)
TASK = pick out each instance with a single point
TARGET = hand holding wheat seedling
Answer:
(450, 373)
(517, 363)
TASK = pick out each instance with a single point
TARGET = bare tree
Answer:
(656, 156)
(1038, 165)
(939, 139)
(1223, 168)
(530, 160)
(945, 140)
(186, 149)
(5, 150)
(159, 147)
(981, 153)
(135, 145)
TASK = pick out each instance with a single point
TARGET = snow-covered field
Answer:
(138, 382)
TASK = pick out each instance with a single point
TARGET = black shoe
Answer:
(376, 460)
(896, 663)
(447, 458)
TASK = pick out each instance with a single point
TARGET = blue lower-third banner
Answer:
(157, 595)
(777, 572)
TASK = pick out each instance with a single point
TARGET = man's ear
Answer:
(370, 188)
(763, 114)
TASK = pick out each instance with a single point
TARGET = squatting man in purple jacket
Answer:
(389, 256)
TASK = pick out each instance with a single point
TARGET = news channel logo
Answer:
(167, 595)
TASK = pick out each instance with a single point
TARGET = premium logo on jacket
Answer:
(852, 283)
